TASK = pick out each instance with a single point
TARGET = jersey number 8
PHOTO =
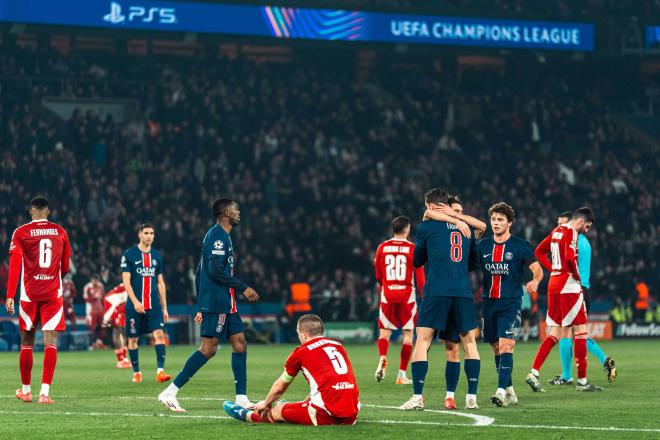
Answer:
(456, 251)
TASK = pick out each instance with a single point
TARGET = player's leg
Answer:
(25, 362)
(419, 367)
(406, 352)
(555, 333)
(120, 348)
(235, 330)
(452, 370)
(383, 343)
(133, 331)
(594, 348)
(52, 322)
(463, 313)
(159, 345)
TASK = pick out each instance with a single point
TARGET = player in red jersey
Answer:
(334, 396)
(566, 308)
(69, 293)
(398, 303)
(40, 250)
(114, 315)
(93, 294)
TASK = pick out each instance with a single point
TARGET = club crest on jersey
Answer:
(508, 256)
(218, 244)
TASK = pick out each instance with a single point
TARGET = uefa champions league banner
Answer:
(302, 23)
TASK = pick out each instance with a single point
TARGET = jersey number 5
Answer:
(395, 267)
(338, 361)
(456, 251)
(45, 253)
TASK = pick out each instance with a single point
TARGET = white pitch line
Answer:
(478, 420)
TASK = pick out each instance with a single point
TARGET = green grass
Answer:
(95, 400)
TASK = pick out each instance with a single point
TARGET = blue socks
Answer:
(239, 367)
(419, 370)
(504, 370)
(566, 353)
(192, 366)
(160, 355)
(472, 367)
(135, 360)
(452, 374)
(595, 349)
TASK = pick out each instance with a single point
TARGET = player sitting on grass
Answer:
(334, 396)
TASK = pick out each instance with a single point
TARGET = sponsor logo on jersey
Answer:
(41, 232)
(343, 386)
(146, 271)
(497, 268)
(43, 277)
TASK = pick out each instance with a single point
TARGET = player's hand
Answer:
(445, 210)
(9, 305)
(426, 217)
(166, 316)
(138, 307)
(261, 407)
(251, 295)
(198, 318)
(532, 286)
(464, 228)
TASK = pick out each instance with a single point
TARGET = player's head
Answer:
(146, 233)
(436, 197)
(401, 226)
(227, 208)
(501, 217)
(309, 326)
(583, 219)
(564, 218)
(39, 208)
(455, 203)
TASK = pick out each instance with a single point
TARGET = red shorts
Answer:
(49, 312)
(394, 316)
(566, 309)
(115, 318)
(302, 413)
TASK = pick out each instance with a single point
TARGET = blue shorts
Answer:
(447, 313)
(221, 325)
(138, 324)
(501, 318)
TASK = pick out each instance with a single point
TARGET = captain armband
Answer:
(286, 377)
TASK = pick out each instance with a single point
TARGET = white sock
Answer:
(470, 396)
(418, 396)
(510, 390)
(535, 372)
(159, 370)
(582, 381)
(500, 390)
(449, 394)
(172, 390)
(26, 388)
(402, 374)
(45, 389)
(241, 397)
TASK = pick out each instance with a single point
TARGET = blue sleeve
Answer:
(527, 253)
(161, 264)
(126, 263)
(474, 261)
(584, 260)
(420, 256)
(198, 271)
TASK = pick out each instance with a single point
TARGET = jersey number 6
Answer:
(45, 253)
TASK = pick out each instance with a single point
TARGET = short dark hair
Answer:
(220, 206)
(586, 213)
(566, 214)
(399, 224)
(311, 324)
(453, 198)
(39, 202)
(502, 208)
(143, 226)
(436, 195)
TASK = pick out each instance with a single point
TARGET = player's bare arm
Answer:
(435, 213)
(537, 273)
(478, 225)
(276, 391)
(162, 293)
(126, 279)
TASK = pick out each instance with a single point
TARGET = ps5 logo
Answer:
(140, 13)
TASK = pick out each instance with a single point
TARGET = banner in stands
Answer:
(361, 332)
(302, 23)
(637, 330)
(652, 36)
(596, 329)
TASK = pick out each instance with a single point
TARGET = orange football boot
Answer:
(45, 400)
(162, 376)
(449, 403)
(25, 397)
(137, 377)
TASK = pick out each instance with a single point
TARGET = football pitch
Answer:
(96, 400)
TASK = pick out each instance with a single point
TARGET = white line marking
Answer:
(106, 414)
(478, 420)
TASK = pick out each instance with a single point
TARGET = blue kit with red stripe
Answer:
(144, 268)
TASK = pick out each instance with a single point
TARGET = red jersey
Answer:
(561, 244)
(41, 250)
(93, 295)
(69, 290)
(114, 302)
(394, 271)
(326, 367)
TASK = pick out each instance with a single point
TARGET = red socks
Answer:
(383, 345)
(50, 359)
(25, 362)
(544, 350)
(581, 354)
(406, 351)
(121, 354)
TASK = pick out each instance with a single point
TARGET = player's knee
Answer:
(496, 348)
(506, 346)
(238, 343)
(276, 413)
(159, 337)
(132, 343)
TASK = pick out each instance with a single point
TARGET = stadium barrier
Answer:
(597, 330)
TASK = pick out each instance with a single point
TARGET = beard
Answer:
(235, 221)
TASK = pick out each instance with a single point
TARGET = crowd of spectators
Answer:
(319, 162)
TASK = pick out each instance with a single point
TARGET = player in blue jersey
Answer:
(146, 310)
(216, 307)
(566, 344)
(503, 259)
(447, 297)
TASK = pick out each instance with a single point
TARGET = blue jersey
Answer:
(446, 253)
(503, 265)
(217, 283)
(144, 268)
(584, 260)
